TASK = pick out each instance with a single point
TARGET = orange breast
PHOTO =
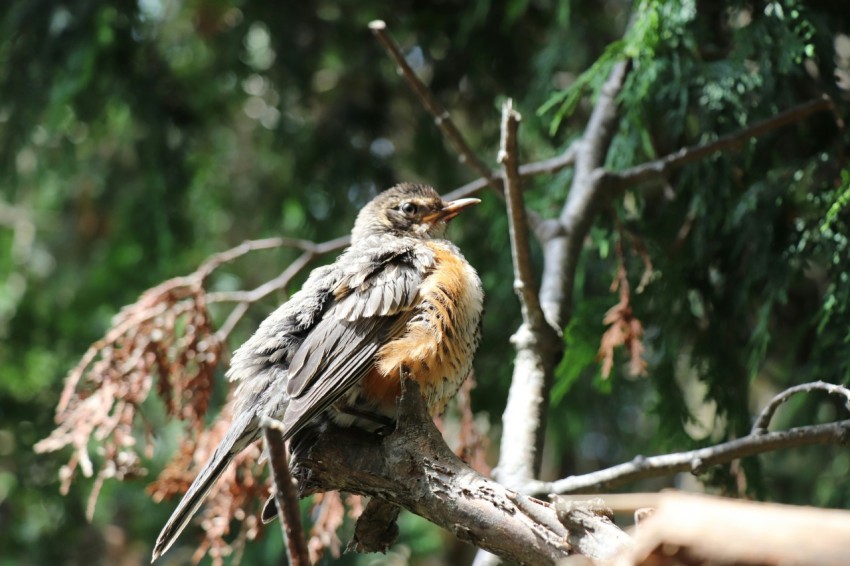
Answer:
(438, 343)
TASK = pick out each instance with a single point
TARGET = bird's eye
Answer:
(408, 208)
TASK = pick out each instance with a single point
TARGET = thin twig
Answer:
(218, 259)
(230, 322)
(764, 418)
(246, 298)
(696, 461)
(524, 285)
(285, 496)
(658, 168)
(441, 116)
(267, 288)
(526, 171)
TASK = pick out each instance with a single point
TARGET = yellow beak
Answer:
(451, 209)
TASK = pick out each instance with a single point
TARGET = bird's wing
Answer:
(372, 303)
(271, 347)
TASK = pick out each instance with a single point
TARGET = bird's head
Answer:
(410, 210)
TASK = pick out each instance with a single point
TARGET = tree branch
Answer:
(764, 418)
(440, 114)
(413, 468)
(657, 169)
(245, 298)
(565, 239)
(285, 496)
(689, 528)
(536, 341)
(524, 285)
(526, 171)
(376, 529)
(696, 461)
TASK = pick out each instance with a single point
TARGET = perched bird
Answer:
(399, 297)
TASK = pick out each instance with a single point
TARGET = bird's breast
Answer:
(439, 342)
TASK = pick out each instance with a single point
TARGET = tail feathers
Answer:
(241, 433)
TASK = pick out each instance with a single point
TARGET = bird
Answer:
(400, 299)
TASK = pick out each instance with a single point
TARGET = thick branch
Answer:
(413, 468)
(440, 114)
(696, 461)
(286, 499)
(657, 169)
(563, 245)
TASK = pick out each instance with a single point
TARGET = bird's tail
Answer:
(242, 432)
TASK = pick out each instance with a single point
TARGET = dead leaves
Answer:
(165, 337)
(624, 328)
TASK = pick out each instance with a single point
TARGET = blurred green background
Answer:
(139, 137)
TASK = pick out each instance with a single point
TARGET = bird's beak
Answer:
(451, 209)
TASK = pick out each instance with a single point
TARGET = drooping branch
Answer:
(757, 442)
(413, 468)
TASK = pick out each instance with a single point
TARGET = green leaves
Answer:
(656, 24)
(842, 199)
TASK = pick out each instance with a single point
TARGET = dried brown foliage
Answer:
(624, 329)
(237, 496)
(166, 343)
(167, 338)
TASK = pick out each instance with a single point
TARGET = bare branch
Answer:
(696, 461)
(441, 116)
(535, 340)
(246, 298)
(660, 167)
(285, 496)
(524, 285)
(230, 322)
(764, 418)
(310, 248)
(527, 171)
(564, 242)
